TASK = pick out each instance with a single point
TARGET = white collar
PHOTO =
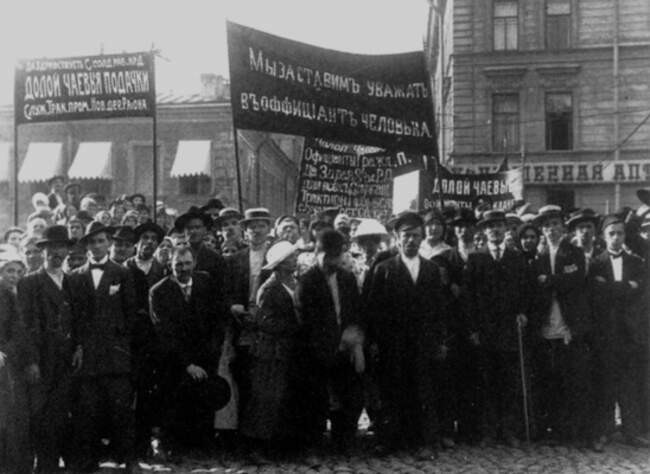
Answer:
(501, 247)
(184, 285)
(91, 260)
(408, 261)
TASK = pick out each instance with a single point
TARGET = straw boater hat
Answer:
(547, 212)
(492, 215)
(228, 213)
(582, 215)
(256, 214)
(278, 253)
(55, 234)
(9, 254)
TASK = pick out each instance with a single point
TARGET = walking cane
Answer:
(520, 340)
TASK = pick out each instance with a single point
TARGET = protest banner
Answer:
(284, 86)
(84, 87)
(355, 178)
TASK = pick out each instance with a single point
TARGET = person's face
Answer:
(289, 265)
(553, 229)
(331, 262)
(33, 256)
(98, 245)
(11, 273)
(117, 212)
(137, 201)
(37, 227)
(131, 222)
(435, 231)
(72, 194)
(121, 250)
(529, 240)
(182, 266)
(510, 238)
(354, 225)
(213, 213)
(128, 205)
(55, 254)
(76, 260)
(585, 232)
(614, 235)
(75, 230)
(91, 207)
(164, 251)
(230, 229)
(210, 241)
(645, 233)
(143, 217)
(495, 232)
(57, 185)
(464, 233)
(104, 217)
(195, 230)
(14, 239)
(179, 239)
(289, 231)
(257, 231)
(408, 241)
(479, 239)
(369, 244)
(147, 244)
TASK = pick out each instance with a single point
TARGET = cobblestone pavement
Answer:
(617, 458)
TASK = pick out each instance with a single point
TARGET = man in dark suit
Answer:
(44, 302)
(407, 320)
(562, 325)
(328, 303)
(622, 332)
(103, 303)
(55, 197)
(188, 315)
(497, 284)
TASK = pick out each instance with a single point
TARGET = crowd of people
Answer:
(129, 333)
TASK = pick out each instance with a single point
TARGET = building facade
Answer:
(559, 87)
(196, 156)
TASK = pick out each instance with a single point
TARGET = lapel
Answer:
(403, 272)
(544, 259)
(105, 280)
(50, 289)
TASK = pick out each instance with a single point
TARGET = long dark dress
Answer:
(270, 413)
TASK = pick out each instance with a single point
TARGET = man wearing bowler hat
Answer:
(123, 241)
(103, 303)
(498, 285)
(407, 320)
(189, 313)
(45, 304)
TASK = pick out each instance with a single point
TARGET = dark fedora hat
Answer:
(124, 233)
(548, 212)
(192, 213)
(406, 220)
(149, 226)
(94, 228)
(256, 214)
(582, 215)
(213, 203)
(463, 216)
(329, 214)
(492, 215)
(54, 234)
(228, 213)
(644, 196)
(331, 242)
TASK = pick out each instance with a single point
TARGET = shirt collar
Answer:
(493, 248)
(408, 261)
(184, 285)
(101, 262)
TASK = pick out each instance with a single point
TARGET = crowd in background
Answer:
(128, 337)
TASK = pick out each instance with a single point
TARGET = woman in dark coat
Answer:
(270, 414)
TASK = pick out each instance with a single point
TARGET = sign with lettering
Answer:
(624, 171)
(356, 178)
(284, 86)
(85, 87)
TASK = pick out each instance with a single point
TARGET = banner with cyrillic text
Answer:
(284, 86)
(85, 87)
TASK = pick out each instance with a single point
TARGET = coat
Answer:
(52, 329)
(213, 264)
(569, 285)
(105, 317)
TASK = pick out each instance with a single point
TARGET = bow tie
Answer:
(98, 266)
(615, 255)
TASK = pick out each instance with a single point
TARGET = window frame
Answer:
(513, 145)
(569, 17)
(547, 121)
(504, 21)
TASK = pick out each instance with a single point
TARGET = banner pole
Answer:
(155, 166)
(239, 195)
(16, 215)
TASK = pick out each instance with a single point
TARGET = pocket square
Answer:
(113, 289)
(570, 268)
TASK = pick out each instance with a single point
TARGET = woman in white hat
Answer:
(270, 415)
(369, 236)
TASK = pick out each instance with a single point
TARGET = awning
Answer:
(92, 161)
(5, 161)
(43, 161)
(192, 158)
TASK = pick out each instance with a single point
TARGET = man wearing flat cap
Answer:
(498, 285)
(583, 223)
(407, 320)
(562, 325)
(230, 231)
(45, 304)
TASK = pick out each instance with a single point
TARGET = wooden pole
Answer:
(16, 213)
(239, 195)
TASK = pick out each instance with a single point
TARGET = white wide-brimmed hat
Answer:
(278, 253)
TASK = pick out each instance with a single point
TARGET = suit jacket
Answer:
(13, 340)
(569, 284)
(49, 320)
(105, 318)
(212, 263)
(618, 308)
(239, 270)
(188, 332)
(315, 307)
(496, 293)
(144, 282)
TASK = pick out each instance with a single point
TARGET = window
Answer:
(559, 121)
(194, 184)
(505, 25)
(505, 122)
(558, 24)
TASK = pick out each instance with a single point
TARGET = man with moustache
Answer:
(230, 231)
(44, 302)
(103, 302)
(407, 320)
(122, 241)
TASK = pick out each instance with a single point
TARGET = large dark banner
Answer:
(355, 178)
(85, 87)
(284, 86)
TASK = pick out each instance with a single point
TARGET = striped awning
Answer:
(43, 161)
(92, 161)
(192, 158)
(5, 161)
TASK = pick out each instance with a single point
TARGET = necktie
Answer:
(497, 254)
(186, 292)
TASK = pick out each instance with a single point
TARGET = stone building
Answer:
(559, 86)
(196, 157)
